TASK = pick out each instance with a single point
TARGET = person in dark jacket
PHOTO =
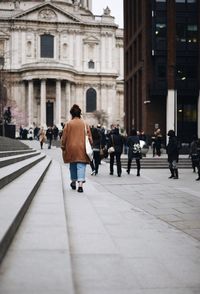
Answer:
(173, 154)
(49, 135)
(134, 151)
(193, 153)
(198, 160)
(117, 141)
(96, 137)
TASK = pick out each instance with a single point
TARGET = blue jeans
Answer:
(77, 171)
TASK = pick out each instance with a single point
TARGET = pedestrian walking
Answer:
(198, 159)
(73, 147)
(158, 141)
(55, 132)
(134, 151)
(49, 135)
(116, 141)
(172, 149)
(193, 154)
(96, 138)
(42, 137)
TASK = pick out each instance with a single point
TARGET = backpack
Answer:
(136, 148)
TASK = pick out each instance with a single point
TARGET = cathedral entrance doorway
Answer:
(49, 114)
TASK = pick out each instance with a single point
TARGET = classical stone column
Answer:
(68, 99)
(84, 3)
(121, 61)
(171, 108)
(103, 52)
(43, 103)
(73, 94)
(89, 4)
(111, 101)
(110, 54)
(58, 103)
(30, 103)
(78, 51)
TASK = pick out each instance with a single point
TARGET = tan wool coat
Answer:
(73, 141)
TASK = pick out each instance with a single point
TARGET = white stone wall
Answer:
(75, 44)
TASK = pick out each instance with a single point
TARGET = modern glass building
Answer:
(162, 50)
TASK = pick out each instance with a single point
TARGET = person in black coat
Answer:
(173, 154)
(96, 137)
(117, 141)
(49, 135)
(134, 151)
(193, 153)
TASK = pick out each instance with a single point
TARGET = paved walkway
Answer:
(133, 235)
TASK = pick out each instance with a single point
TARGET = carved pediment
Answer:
(91, 40)
(47, 12)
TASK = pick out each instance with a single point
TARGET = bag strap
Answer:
(85, 130)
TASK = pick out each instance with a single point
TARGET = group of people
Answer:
(74, 151)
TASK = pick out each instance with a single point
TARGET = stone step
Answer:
(15, 200)
(15, 152)
(152, 163)
(41, 245)
(8, 144)
(11, 172)
(16, 158)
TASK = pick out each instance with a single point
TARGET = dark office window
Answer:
(161, 71)
(160, 30)
(181, 32)
(47, 46)
(187, 68)
(192, 33)
(91, 100)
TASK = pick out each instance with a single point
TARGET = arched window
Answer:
(47, 46)
(65, 50)
(91, 64)
(29, 46)
(91, 100)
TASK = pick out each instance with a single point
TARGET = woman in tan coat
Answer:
(73, 147)
(42, 137)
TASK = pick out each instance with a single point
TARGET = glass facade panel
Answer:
(192, 33)
(181, 32)
(160, 30)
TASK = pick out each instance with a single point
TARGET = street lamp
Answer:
(1, 94)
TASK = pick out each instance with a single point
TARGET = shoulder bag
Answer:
(88, 147)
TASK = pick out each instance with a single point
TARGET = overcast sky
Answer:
(116, 7)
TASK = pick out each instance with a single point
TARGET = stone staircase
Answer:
(34, 244)
(156, 162)
(7, 144)
(22, 170)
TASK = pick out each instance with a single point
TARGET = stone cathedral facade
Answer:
(55, 53)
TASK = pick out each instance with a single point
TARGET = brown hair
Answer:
(75, 111)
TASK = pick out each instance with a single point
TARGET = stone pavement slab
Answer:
(125, 236)
(120, 241)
